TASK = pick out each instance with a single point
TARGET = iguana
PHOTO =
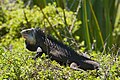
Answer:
(37, 40)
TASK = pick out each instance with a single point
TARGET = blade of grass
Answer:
(97, 27)
(107, 23)
(41, 3)
(85, 25)
(61, 3)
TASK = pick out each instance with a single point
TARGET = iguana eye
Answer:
(28, 31)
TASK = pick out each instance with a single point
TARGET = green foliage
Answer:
(16, 61)
(98, 17)
(52, 19)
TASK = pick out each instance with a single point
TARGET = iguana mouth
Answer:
(25, 36)
(28, 36)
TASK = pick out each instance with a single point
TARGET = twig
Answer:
(28, 23)
(65, 22)
(79, 6)
(51, 25)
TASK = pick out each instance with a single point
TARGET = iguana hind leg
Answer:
(74, 66)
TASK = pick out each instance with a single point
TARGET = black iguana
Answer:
(37, 40)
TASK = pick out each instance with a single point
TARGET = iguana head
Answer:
(34, 38)
(29, 35)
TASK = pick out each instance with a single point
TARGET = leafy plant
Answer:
(16, 63)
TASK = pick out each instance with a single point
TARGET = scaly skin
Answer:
(37, 40)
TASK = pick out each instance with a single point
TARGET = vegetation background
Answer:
(90, 27)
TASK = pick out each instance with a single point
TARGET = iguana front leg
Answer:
(39, 53)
